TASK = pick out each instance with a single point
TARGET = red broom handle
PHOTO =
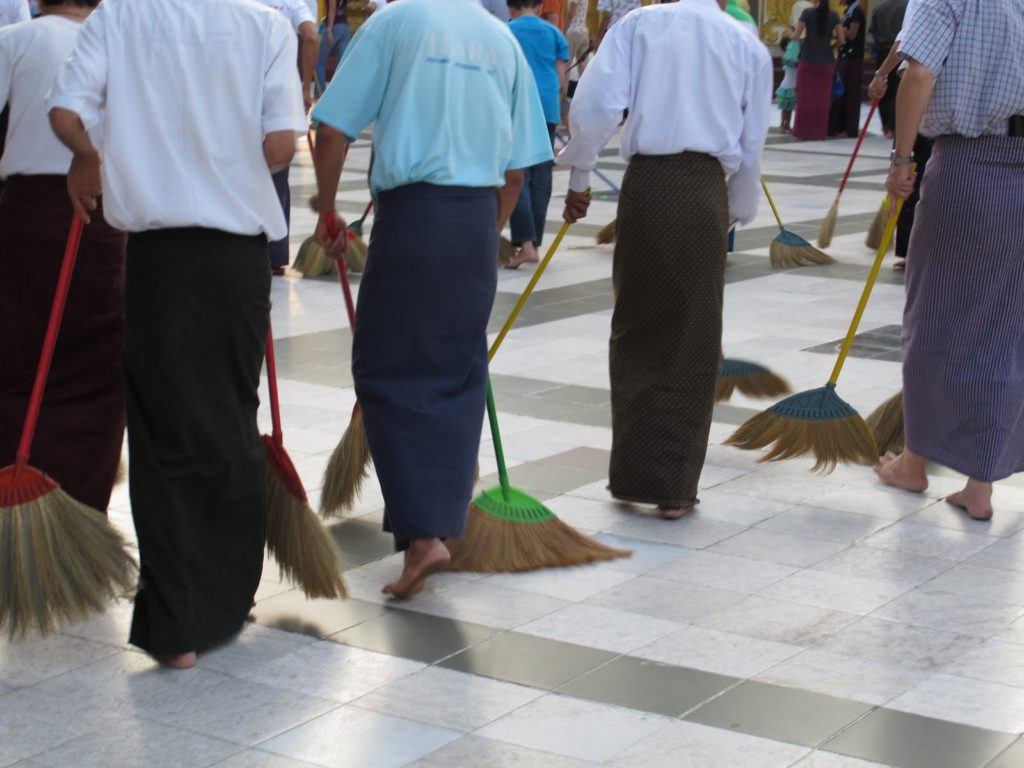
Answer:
(856, 149)
(275, 403)
(334, 231)
(60, 299)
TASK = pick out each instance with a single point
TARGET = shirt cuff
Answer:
(80, 106)
(579, 180)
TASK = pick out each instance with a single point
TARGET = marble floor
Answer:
(795, 619)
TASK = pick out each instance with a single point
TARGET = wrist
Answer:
(899, 160)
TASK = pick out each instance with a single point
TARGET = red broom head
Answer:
(21, 485)
(281, 465)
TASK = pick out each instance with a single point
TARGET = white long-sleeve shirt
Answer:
(186, 93)
(693, 79)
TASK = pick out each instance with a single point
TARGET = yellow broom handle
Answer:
(772, 203)
(890, 228)
(526, 294)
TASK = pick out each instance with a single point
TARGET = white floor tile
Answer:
(951, 613)
(487, 753)
(929, 541)
(1007, 554)
(830, 760)
(995, 661)
(824, 523)
(713, 569)
(692, 531)
(487, 604)
(589, 514)
(905, 568)
(448, 699)
(664, 599)
(350, 737)
(738, 508)
(894, 642)
(574, 728)
(29, 661)
(962, 700)
(596, 627)
(829, 590)
(778, 620)
(574, 584)
(783, 548)
(254, 758)
(255, 645)
(689, 745)
(988, 584)
(723, 653)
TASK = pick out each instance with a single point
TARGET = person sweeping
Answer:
(198, 281)
(963, 325)
(698, 90)
(427, 74)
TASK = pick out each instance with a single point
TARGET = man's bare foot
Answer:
(975, 499)
(674, 513)
(527, 255)
(424, 557)
(181, 661)
(905, 471)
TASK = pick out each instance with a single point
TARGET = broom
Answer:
(749, 378)
(828, 225)
(304, 550)
(357, 248)
(819, 421)
(606, 234)
(788, 249)
(59, 559)
(508, 530)
(886, 424)
(349, 465)
(874, 236)
(506, 251)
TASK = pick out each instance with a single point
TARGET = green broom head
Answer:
(788, 249)
(512, 532)
(506, 251)
(59, 559)
(606, 234)
(886, 424)
(816, 422)
(874, 236)
(305, 552)
(828, 226)
(347, 468)
(749, 378)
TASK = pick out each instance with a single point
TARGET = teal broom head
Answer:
(788, 249)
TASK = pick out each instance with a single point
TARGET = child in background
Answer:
(547, 52)
(785, 94)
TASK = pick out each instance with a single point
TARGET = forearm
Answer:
(508, 195)
(307, 65)
(911, 102)
(890, 63)
(68, 127)
(330, 154)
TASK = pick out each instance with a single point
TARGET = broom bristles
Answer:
(493, 545)
(59, 562)
(347, 468)
(828, 226)
(305, 551)
(877, 228)
(355, 258)
(606, 234)
(506, 251)
(886, 424)
(791, 250)
(830, 441)
(724, 388)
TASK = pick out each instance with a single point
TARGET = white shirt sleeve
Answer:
(282, 91)
(745, 184)
(299, 13)
(81, 85)
(6, 67)
(601, 97)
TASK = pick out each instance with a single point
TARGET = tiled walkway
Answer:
(793, 620)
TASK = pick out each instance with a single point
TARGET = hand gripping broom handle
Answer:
(499, 453)
(526, 293)
(346, 289)
(772, 204)
(275, 404)
(856, 149)
(890, 228)
(60, 299)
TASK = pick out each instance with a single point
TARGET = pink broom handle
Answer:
(60, 299)
(856, 149)
(275, 403)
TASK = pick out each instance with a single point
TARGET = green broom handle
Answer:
(526, 294)
(890, 228)
(772, 203)
(499, 453)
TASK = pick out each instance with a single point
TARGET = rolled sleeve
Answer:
(531, 144)
(299, 14)
(282, 91)
(353, 99)
(81, 85)
(928, 35)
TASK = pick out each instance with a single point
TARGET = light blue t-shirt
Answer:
(544, 45)
(450, 95)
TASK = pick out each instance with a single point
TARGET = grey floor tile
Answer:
(551, 410)
(1011, 758)
(778, 713)
(555, 479)
(418, 636)
(361, 541)
(912, 741)
(577, 395)
(528, 660)
(649, 686)
(293, 612)
(594, 459)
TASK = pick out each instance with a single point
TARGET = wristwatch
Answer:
(900, 159)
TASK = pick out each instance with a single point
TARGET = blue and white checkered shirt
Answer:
(975, 49)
